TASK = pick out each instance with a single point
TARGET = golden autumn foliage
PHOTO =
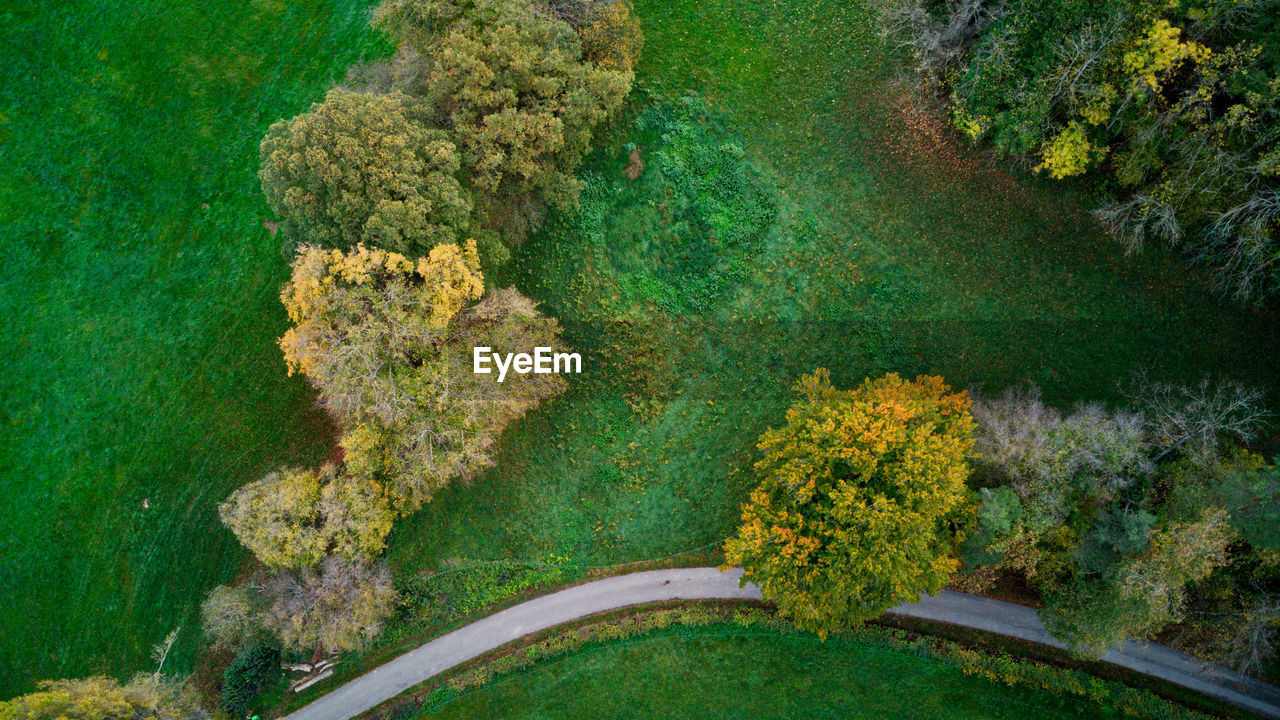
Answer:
(387, 341)
(146, 697)
(611, 37)
(330, 291)
(295, 517)
(856, 496)
(277, 518)
(1158, 51)
(1069, 153)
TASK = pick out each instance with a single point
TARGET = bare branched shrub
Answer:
(1225, 17)
(1015, 432)
(1110, 447)
(1025, 438)
(1240, 245)
(341, 605)
(936, 44)
(1138, 219)
(577, 13)
(407, 71)
(1041, 452)
(1255, 642)
(1196, 419)
(230, 615)
(1079, 56)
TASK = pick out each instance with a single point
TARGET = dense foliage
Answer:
(518, 86)
(1113, 515)
(388, 345)
(294, 517)
(491, 97)
(360, 168)
(254, 667)
(858, 494)
(146, 697)
(510, 85)
(1173, 107)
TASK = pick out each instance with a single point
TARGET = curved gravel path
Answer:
(471, 641)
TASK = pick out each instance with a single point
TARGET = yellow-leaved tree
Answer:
(859, 495)
(295, 517)
(388, 343)
(146, 697)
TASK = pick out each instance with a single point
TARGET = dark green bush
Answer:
(254, 668)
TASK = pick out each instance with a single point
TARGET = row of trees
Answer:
(479, 121)
(1113, 517)
(387, 342)
(395, 190)
(1174, 108)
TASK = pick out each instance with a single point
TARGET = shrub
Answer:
(230, 615)
(294, 517)
(254, 667)
(339, 606)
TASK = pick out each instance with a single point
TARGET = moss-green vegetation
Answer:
(140, 298)
(728, 671)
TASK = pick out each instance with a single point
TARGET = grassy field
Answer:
(885, 246)
(141, 380)
(720, 672)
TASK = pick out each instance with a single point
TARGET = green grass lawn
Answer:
(140, 310)
(718, 672)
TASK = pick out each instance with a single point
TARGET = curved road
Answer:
(482, 636)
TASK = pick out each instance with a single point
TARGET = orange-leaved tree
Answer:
(859, 497)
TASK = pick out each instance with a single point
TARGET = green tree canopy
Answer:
(1172, 107)
(510, 84)
(1119, 512)
(856, 497)
(360, 168)
(1142, 592)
